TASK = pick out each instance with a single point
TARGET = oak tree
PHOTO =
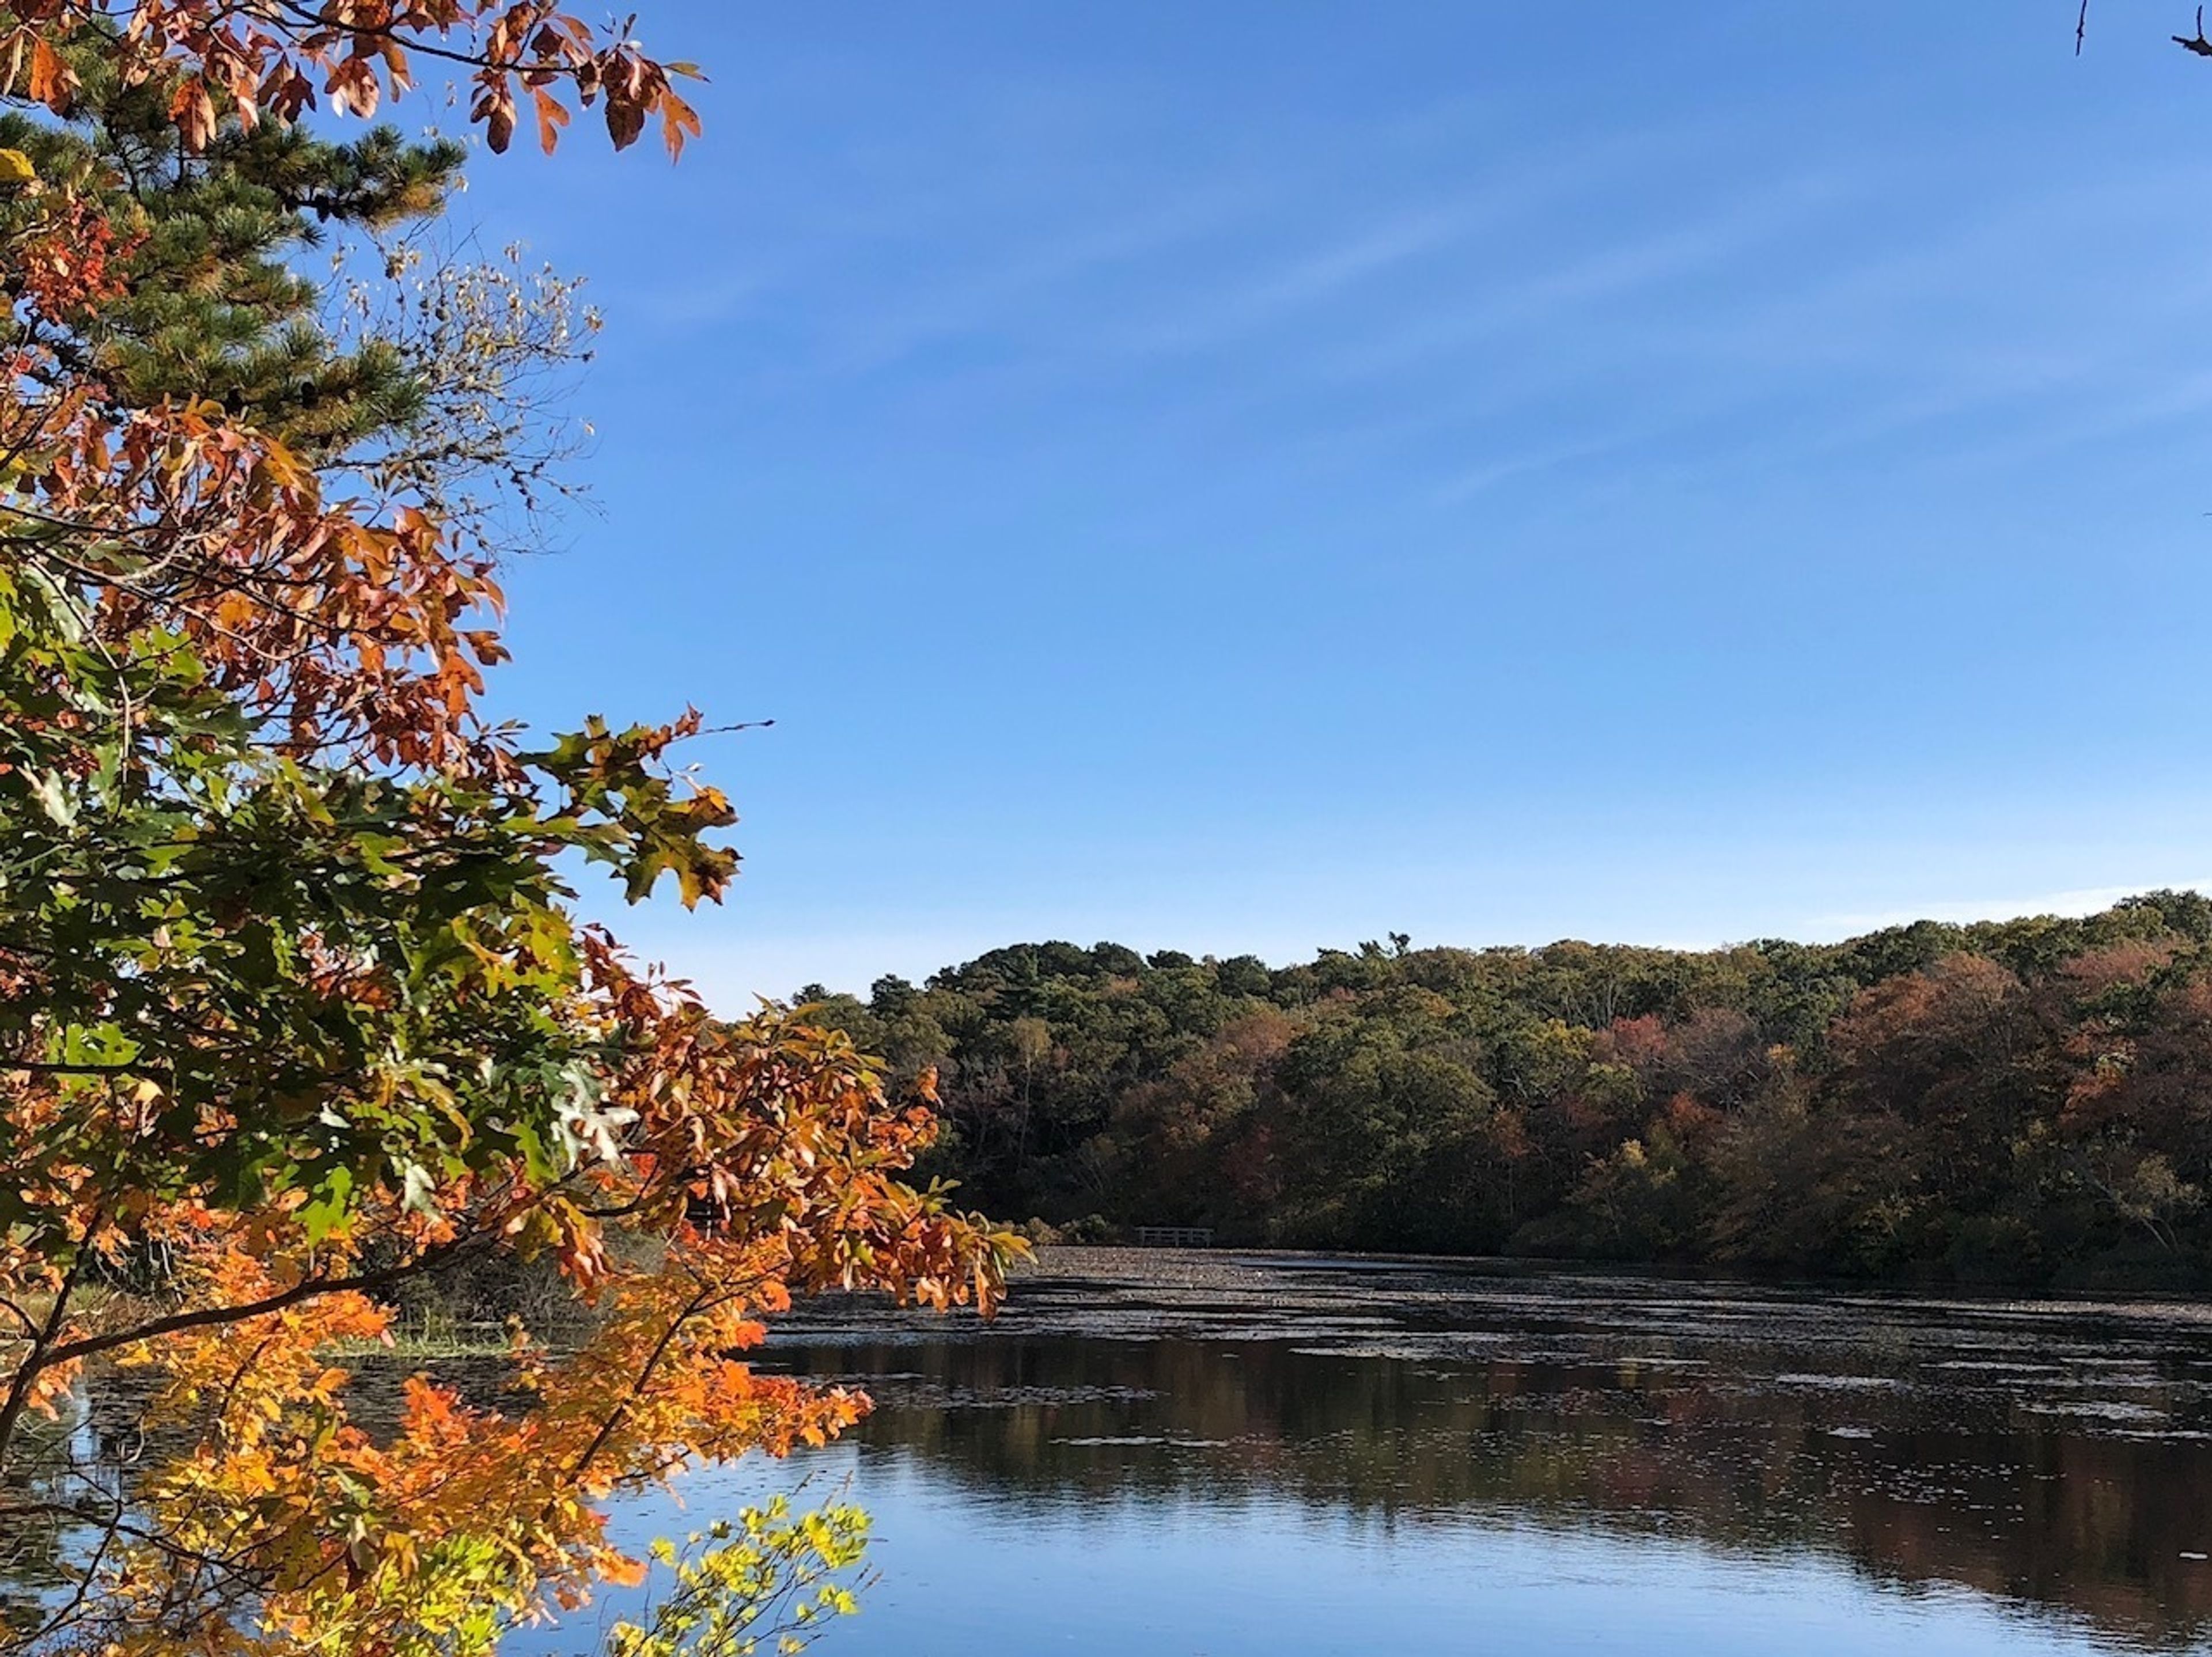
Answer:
(294, 1006)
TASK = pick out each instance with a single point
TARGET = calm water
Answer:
(1209, 1454)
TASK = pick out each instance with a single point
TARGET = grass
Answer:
(428, 1336)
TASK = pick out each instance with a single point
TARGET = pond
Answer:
(1208, 1454)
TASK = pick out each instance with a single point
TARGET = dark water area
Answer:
(1214, 1454)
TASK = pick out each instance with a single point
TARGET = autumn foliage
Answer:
(295, 1011)
(215, 60)
(2023, 1102)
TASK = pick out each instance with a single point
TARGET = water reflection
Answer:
(2053, 1459)
(1153, 1453)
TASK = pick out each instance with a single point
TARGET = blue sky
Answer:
(1251, 476)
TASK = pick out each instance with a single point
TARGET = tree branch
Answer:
(306, 1290)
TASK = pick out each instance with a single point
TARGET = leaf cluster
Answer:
(296, 1011)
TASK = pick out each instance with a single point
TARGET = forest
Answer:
(308, 1013)
(2027, 1101)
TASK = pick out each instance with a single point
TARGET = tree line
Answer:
(2024, 1100)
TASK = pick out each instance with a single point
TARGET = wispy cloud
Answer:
(1528, 304)
(1309, 278)
(1481, 478)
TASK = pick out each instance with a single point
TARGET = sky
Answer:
(1260, 475)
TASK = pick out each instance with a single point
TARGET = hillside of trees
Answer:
(2027, 1100)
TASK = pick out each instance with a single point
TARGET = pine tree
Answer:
(213, 302)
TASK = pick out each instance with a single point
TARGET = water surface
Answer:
(1214, 1454)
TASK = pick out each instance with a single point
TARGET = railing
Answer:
(1174, 1236)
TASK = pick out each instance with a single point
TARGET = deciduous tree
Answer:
(295, 1008)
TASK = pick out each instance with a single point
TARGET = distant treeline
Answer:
(2028, 1100)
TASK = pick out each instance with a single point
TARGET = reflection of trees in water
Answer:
(1962, 1481)
(34, 1534)
(67, 1490)
(2020, 1506)
(72, 1489)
